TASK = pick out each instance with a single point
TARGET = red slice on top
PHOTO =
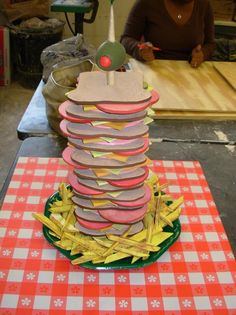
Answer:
(122, 108)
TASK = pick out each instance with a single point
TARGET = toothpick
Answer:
(111, 38)
(110, 78)
(111, 31)
(158, 209)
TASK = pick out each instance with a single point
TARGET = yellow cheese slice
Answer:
(99, 154)
(91, 140)
(147, 120)
(150, 112)
(114, 193)
(116, 125)
(87, 108)
(116, 171)
(117, 157)
(100, 203)
(101, 172)
(107, 139)
(97, 123)
(101, 182)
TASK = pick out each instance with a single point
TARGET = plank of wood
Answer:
(182, 87)
(167, 114)
(228, 71)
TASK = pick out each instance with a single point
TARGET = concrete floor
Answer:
(13, 101)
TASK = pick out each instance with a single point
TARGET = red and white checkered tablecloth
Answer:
(197, 275)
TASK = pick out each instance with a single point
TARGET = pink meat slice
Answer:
(80, 188)
(66, 155)
(139, 202)
(93, 225)
(128, 108)
(129, 182)
(136, 227)
(89, 215)
(65, 115)
(126, 216)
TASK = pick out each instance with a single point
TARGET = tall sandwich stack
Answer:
(107, 140)
(104, 120)
(117, 208)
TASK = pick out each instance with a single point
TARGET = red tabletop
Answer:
(196, 275)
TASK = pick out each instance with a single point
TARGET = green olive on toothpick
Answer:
(110, 56)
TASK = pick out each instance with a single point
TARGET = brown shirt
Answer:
(150, 21)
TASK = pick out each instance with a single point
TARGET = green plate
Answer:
(122, 263)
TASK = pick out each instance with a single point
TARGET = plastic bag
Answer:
(61, 81)
(67, 52)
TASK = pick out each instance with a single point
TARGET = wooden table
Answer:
(188, 93)
(197, 275)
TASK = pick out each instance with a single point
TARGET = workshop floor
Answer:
(13, 102)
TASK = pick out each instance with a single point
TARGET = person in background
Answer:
(170, 29)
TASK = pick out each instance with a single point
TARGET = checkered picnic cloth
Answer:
(196, 275)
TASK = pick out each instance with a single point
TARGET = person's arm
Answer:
(201, 53)
(134, 29)
(209, 43)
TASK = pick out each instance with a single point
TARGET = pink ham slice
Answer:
(124, 217)
(128, 108)
(89, 215)
(78, 112)
(87, 204)
(126, 195)
(83, 131)
(80, 188)
(136, 227)
(138, 151)
(66, 155)
(93, 225)
(139, 202)
(129, 182)
(109, 187)
(64, 130)
(117, 145)
(86, 159)
(123, 175)
(65, 115)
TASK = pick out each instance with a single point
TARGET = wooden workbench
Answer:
(207, 92)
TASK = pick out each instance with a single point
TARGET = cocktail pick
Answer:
(111, 54)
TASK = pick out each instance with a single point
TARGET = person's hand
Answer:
(146, 51)
(197, 56)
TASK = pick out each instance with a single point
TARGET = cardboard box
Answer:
(4, 56)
